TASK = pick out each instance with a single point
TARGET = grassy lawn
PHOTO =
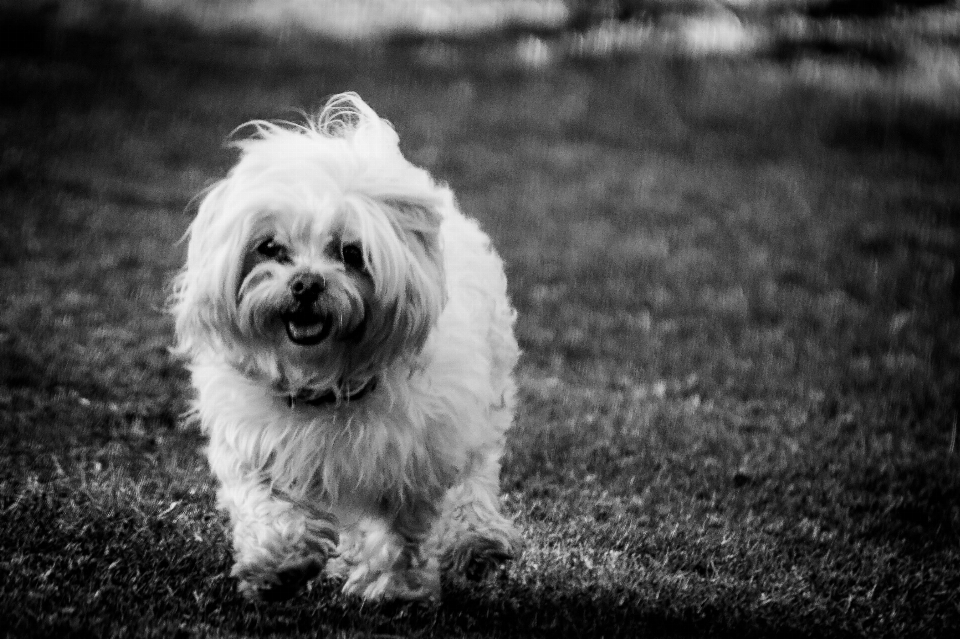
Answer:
(738, 301)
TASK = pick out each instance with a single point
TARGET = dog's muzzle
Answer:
(306, 325)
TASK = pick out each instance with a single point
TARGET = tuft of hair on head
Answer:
(346, 115)
(342, 114)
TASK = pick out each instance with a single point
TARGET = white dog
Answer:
(351, 345)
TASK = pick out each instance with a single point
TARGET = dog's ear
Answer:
(425, 293)
(408, 273)
(203, 301)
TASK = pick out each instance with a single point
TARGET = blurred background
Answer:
(851, 44)
(731, 230)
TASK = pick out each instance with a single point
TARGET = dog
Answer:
(351, 346)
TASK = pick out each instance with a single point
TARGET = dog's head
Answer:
(317, 260)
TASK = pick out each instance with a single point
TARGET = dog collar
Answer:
(330, 397)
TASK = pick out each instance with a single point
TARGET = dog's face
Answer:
(317, 261)
(316, 283)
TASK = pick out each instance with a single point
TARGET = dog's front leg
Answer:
(472, 537)
(385, 556)
(279, 542)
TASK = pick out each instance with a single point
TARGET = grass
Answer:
(738, 302)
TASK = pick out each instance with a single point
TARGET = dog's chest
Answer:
(365, 452)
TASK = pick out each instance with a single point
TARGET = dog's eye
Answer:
(271, 249)
(352, 256)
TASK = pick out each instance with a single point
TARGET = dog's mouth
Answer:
(306, 327)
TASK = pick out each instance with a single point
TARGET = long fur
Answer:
(390, 486)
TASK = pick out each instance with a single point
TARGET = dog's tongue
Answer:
(306, 331)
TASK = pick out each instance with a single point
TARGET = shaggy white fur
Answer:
(351, 344)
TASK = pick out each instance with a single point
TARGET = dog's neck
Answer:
(346, 393)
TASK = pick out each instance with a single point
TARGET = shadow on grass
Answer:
(119, 557)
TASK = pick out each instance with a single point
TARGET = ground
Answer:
(737, 295)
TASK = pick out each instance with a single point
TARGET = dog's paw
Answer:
(397, 585)
(476, 556)
(259, 584)
(340, 566)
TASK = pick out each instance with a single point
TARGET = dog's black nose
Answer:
(307, 286)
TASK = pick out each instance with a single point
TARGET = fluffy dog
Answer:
(351, 345)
